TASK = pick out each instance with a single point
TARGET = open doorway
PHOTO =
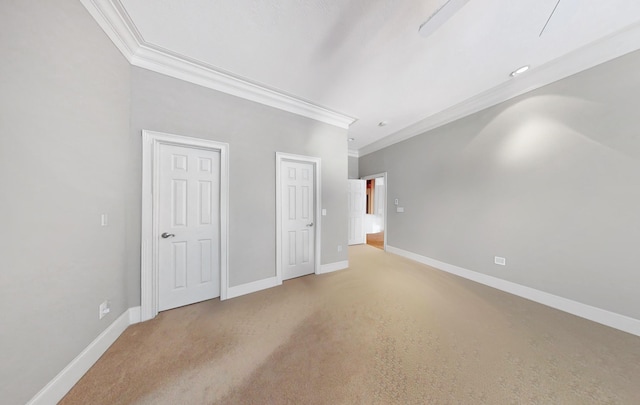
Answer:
(375, 213)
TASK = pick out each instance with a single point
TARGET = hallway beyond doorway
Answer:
(376, 240)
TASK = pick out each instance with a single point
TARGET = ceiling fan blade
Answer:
(440, 16)
(549, 19)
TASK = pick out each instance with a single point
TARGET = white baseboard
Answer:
(254, 286)
(328, 268)
(57, 388)
(135, 315)
(608, 318)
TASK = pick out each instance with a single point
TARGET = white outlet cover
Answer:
(399, 209)
(104, 309)
(500, 260)
(324, 211)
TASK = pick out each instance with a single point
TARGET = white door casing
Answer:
(385, 211)
(357, 203)
(297, 216)
(189, 222)
(151, 230)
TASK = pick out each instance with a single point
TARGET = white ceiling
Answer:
(365, 58)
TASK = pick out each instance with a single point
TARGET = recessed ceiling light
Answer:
(519, 71)
(382, 123)
(351, 139)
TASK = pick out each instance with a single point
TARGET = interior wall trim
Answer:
(331, 267)
(254, 286)
(386, 203)
(604, 317)
(317, 162)
(61, 384)
(149, 259)
(615, 45)
(116, 23)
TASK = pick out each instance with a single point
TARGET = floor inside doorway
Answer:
(376, 240)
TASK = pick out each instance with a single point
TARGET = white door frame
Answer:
(386, 201)
(363, 239)
(149, 268)
(280, 156)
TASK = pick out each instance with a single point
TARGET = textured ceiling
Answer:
(365, 58)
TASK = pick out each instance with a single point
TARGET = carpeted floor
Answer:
(385, 331)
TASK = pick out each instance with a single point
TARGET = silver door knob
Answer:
(311, 224)
(167, 235)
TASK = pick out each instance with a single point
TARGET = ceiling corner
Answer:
(603, 50)
(116, 23)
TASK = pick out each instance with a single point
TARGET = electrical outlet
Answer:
(399, 209)
(104, 220)
(339, 248)
(104, 309)
(500, 260)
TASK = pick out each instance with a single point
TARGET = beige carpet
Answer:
(385, 331)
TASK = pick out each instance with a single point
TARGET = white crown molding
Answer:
(116, 23)
(353, 153)
(607, 48)
(602, 316)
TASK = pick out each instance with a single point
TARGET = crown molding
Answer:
(598, 52)
(353, 153)
(116, 23)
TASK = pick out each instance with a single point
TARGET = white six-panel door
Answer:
(298, 219)
(189, 225)
(357, 202)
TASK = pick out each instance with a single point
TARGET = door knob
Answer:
(311, 224)
(167, 235)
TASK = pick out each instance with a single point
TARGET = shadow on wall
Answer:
(558, 123)
(546, 180)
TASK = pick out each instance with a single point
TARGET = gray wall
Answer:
(64, 123)
(70, 150)
(255, 133)
(353, 168)
(548, 180)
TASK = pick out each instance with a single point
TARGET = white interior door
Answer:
(297, 185)
(189, 225)
(357, 204)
